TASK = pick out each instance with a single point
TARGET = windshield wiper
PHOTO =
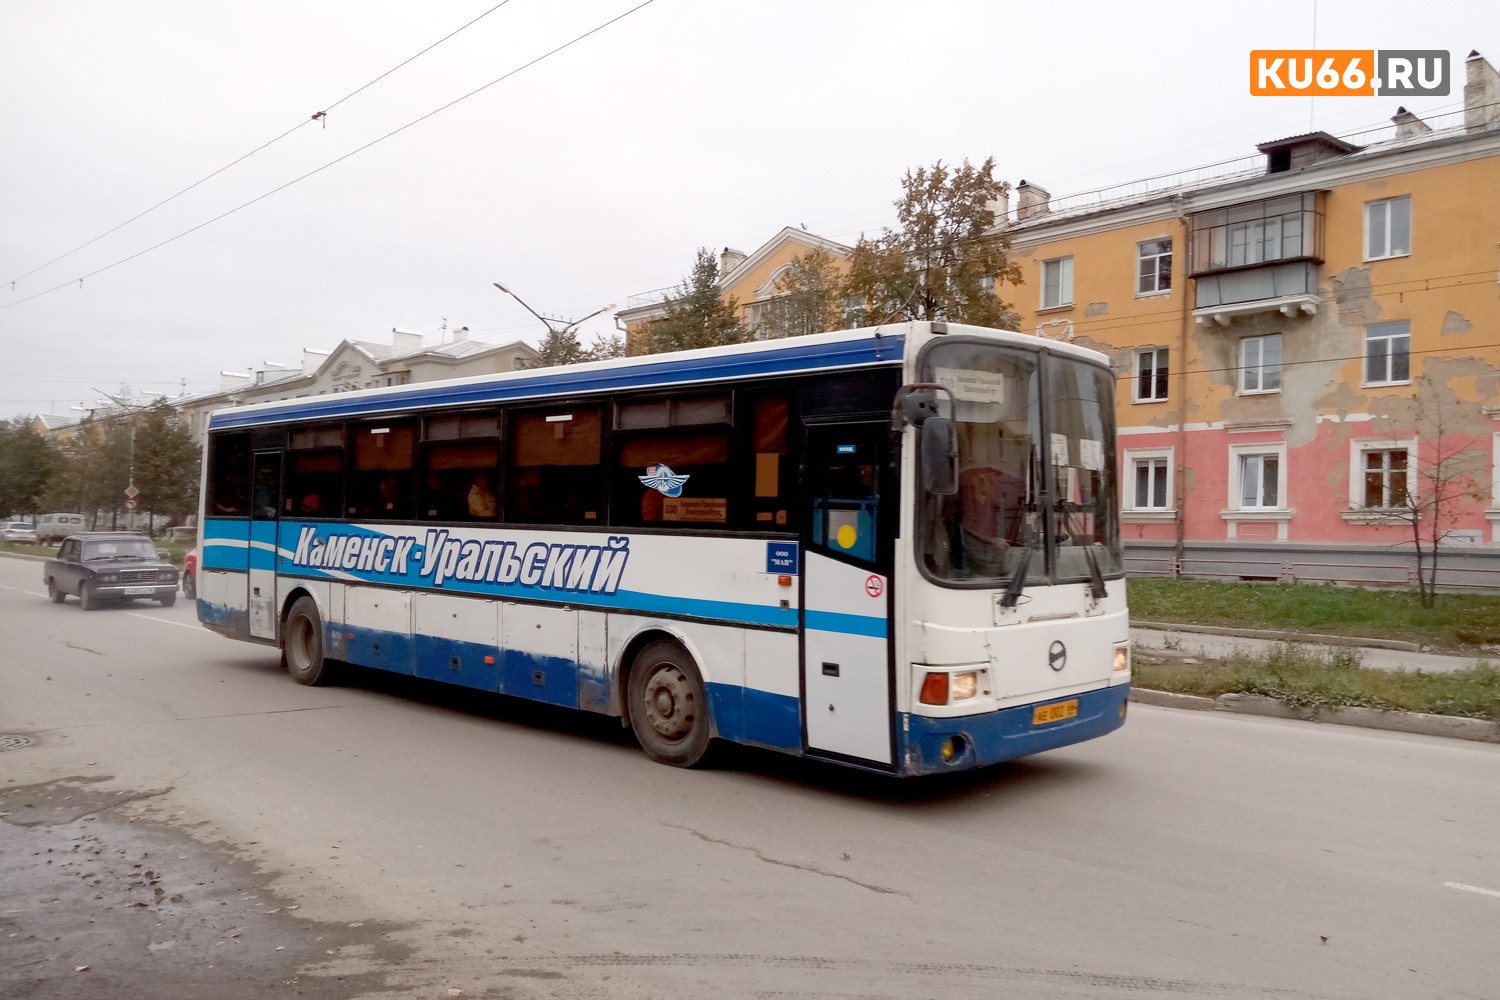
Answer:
(1018, 578)
(1097, 590)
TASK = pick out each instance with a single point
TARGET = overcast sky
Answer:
(578, 181)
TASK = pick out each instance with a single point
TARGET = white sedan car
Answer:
(17, 531)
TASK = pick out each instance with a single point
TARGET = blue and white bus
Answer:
(896, 548)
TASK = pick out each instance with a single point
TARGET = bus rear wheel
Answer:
(302, 644)
(668, 705)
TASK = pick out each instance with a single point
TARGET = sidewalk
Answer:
(1162, 642)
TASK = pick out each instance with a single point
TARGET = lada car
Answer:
(100, 566)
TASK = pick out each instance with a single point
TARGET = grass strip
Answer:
(1331, 677)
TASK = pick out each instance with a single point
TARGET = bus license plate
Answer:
(139, 591)
(1055, 712)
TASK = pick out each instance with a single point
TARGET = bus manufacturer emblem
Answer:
(1057, 655)
(664, 480)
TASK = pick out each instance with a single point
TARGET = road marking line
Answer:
(21, 590)
(160, 621)
(1472, 888)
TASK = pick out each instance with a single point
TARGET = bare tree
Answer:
(1427, 487)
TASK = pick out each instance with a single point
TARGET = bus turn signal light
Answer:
(935, 689)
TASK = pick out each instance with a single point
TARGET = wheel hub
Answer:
(669, 703)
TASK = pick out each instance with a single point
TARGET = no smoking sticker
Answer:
(874, 586)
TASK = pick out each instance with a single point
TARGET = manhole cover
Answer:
(14, 742)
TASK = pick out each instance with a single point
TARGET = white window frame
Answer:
(1135, 457)
(1148, 394)
(1391, 338)
(1358, 449)
(1383, 210)
(1064, 267)
(1141, 256)
(1237, 454)
(1234, 514)
(1260, 369)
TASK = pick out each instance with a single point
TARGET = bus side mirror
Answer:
(938, 455)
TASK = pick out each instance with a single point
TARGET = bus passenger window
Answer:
(459, 482)
(229, 475)
(672, 477)
(380, 484)
(314, 472)
(555, 476)
(772, 460)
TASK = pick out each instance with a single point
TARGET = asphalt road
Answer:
(187, 822)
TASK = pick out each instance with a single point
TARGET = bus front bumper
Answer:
(932, 746)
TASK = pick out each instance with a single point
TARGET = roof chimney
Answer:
(405, 341)
(230, 381)
(460, 335)
(1481, 94)
(1032, 200)
(730, 259)
(1409, 125)
(1001, 206)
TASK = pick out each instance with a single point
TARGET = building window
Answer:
(1260, 364)
(1388, 353)
(1257, 477)
(1150, 479)
(1388, 228)
(1381, 475)
(1151, 375)
(1385, 478)
(1057, 282)
(1154, 267)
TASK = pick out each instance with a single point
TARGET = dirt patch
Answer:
(100, 904)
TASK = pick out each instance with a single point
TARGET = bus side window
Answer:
(229, 475)
(459, 482)
(380, 482)
(555, 475)
(773, 472)
(315, 472)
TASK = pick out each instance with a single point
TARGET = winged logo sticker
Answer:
(663, 480)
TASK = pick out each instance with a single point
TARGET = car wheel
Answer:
(668, 705)
(167, 600)
(189, 587)
(57, 596)
(302, 644)
(87, 597)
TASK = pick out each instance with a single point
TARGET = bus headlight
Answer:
(964, 685)
(1122, 656)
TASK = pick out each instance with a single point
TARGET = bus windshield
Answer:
(1036, 498)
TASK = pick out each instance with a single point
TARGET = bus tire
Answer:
(302, 644)
(668, 705)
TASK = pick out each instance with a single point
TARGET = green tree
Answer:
(809, 298)
(561, 347)
(166, 463)
(27, 459)
(605, 347)
(947, 260)
(697, 316)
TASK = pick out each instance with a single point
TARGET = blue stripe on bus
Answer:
(833, 621)
(646, 373)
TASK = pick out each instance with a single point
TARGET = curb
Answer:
(1450, 726)
(1260, 633)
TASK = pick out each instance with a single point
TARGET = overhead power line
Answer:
(318, 116)
(297, 180)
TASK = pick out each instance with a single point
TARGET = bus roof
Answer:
(839, 350)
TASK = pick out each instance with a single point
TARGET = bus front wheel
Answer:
(302, 643)
(668, 706)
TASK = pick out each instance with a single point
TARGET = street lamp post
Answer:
(552, 329)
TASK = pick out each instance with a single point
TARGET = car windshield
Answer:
(121, 548)
(18, 526)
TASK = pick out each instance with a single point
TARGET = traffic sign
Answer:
(130, 504)
(131, 492)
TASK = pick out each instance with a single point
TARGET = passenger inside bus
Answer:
(482, 496)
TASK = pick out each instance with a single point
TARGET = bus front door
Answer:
(846, 661)
(265, 508)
